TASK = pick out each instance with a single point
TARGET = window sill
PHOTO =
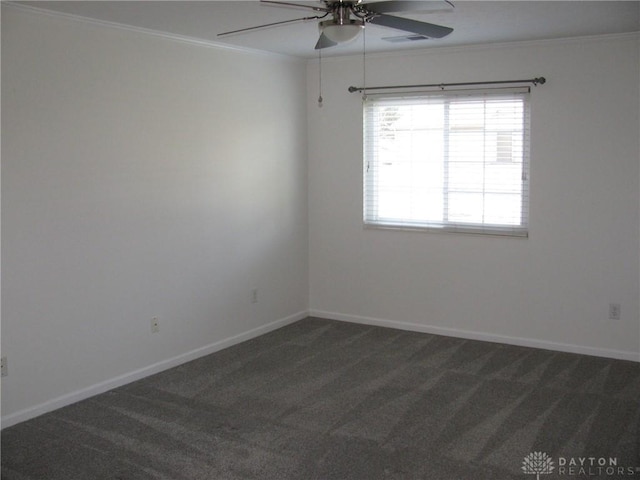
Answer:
(514, 232)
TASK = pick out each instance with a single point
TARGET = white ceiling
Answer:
(474, 22)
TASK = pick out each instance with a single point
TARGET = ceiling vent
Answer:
(405, 38)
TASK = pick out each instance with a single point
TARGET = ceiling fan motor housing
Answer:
(341, 28)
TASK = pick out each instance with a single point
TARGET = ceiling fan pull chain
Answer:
(364, 63)
(320, 77)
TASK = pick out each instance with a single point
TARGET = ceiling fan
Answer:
(347, 19)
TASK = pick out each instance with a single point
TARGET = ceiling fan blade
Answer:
(267, 25)
(324, 42)
(288, 4)
(408, 6)
(413, 26)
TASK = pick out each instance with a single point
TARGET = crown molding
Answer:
(419, 52)
(150, 32)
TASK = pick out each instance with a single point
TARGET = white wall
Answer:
(552, 289)
(141, 177)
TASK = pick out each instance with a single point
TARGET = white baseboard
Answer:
(78, 395)
(487, 337)
(102, 387)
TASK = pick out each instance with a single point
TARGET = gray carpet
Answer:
(321, 399)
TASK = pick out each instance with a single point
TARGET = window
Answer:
(450, 161)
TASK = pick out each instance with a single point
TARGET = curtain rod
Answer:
(535, 81)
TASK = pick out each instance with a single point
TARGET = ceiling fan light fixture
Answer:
(341, 32)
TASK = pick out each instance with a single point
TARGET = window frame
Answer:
(370, 202)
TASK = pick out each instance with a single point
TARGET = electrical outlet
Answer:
(614, 311)
(3, 366)
(155, 325)
(254, 295)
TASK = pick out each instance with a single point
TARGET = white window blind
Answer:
(451, 161)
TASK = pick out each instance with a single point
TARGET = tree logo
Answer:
(537, 463)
